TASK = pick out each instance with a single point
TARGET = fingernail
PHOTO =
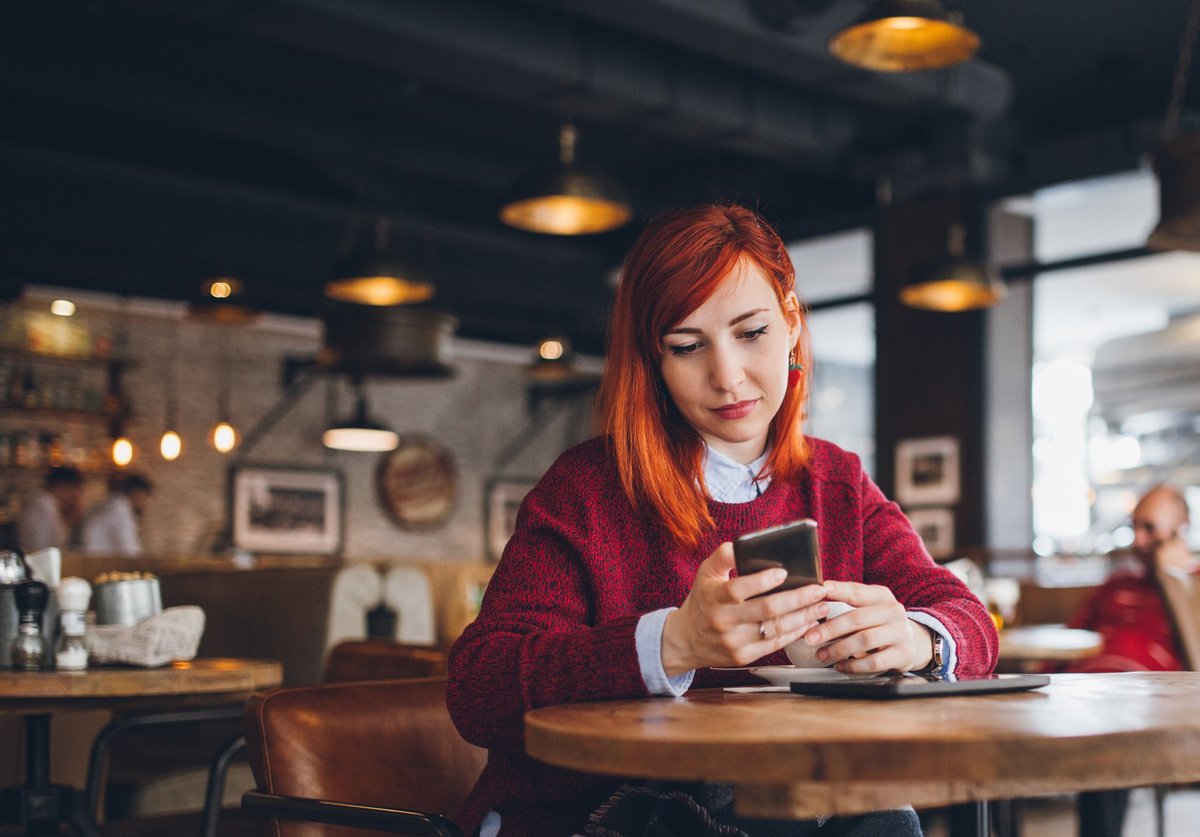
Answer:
(822, 655)
(813, 638)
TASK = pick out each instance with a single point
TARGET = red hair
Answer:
(675, 265)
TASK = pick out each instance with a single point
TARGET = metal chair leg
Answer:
(1160, 808)
(215, 790)
(99, 754)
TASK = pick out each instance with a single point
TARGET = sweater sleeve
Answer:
(536, 641)
(894, 556)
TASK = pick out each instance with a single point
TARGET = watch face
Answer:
(417, 483)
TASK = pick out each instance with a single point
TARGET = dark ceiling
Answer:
(147, 145)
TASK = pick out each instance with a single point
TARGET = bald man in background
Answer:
(1129, 611)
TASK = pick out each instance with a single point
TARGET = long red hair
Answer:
(675, 265)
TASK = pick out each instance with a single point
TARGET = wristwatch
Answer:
(938, 660)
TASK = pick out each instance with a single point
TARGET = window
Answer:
(842, 405)
(1116, 376)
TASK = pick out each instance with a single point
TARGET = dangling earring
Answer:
(794, 369)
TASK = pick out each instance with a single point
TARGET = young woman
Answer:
(619, 581)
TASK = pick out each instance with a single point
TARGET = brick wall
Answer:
(473, 414)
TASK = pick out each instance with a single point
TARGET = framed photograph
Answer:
(936, 528)
(927, 471)
(284, 509)
(502, 497)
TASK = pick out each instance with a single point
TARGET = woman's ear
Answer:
(791, 312)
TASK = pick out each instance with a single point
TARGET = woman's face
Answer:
(726, 364)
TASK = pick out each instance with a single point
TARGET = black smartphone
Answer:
(793, 546)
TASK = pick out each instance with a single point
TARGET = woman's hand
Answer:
(717, 626)
(876, 636)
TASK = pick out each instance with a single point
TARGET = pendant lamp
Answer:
(171, 443)
(224, 436)
(378, 276)
(902, 36)
(956, 283)
(565, 199)
(217, 304)
(1177, 161)
(360, 432)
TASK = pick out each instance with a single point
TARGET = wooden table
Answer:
(802, 757)
(40, 806)
(1048, 644)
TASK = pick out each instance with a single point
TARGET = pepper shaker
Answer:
(29, 647)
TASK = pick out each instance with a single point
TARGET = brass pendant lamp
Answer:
(378, 276)
(565, 199)
(1177, 160)
(956, 283)
(901, 36)
(217, 304)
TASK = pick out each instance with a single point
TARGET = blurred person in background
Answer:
(47, 517)
(111, 526)
(1129, 611)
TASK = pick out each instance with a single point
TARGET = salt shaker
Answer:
(28, 647)
(73, 597)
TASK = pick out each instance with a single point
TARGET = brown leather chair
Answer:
(1182, 595)
(381, 659)
(380, 754)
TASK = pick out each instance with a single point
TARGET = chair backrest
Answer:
(1182, 594)
(388, 743)
(381, 659)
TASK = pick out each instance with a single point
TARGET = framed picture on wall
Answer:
(286, 509)
(502, 497)
(936, 528)
(927, 471)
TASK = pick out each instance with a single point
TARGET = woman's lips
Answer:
(735, 411)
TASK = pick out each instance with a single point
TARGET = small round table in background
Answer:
(1030, 644)
(40, 806)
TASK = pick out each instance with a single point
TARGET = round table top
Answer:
(104, 686)
(803, 756)
(1050, 643)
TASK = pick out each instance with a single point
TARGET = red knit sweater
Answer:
(558, 620)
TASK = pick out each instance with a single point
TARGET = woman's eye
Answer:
(754, 334)
(683, 350)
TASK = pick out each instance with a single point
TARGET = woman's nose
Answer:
(725, 372)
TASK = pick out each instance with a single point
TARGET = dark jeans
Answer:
(1102, 813)
(668, 809)
(896, 823)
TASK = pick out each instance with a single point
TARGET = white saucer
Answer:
(783, 675)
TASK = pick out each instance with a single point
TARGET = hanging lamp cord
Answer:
(1187, 47)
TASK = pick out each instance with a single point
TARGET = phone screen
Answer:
(793, 546)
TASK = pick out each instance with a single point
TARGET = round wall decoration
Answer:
(417, 483)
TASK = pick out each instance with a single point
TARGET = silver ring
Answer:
(762, 630)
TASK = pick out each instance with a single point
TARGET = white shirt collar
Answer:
(732, 482)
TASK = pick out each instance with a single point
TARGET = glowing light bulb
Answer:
(62, 307)
(224, 437)
(122, 452)
(551, 349)
(170, 446)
